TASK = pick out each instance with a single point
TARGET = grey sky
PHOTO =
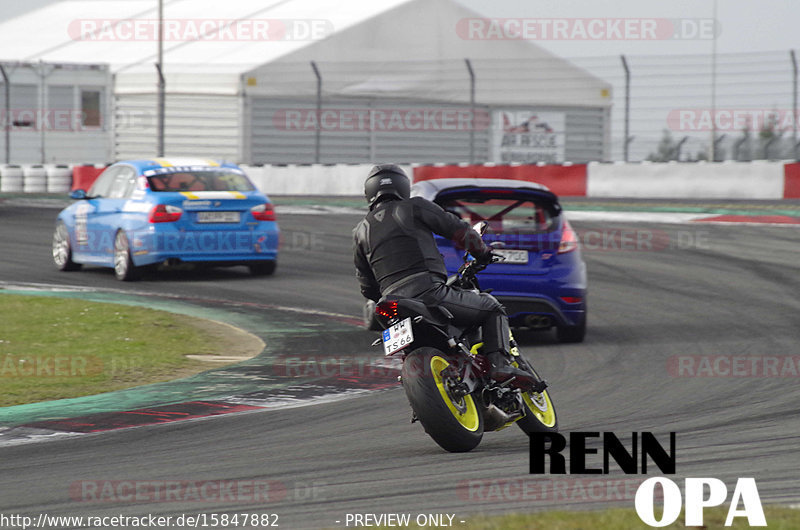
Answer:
(746, 25)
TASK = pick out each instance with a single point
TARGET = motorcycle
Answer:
(446, 377)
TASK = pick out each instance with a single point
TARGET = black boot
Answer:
(502, 371)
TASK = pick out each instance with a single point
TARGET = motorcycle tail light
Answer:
(387, 310)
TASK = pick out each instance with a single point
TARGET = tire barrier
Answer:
(34, 179)
(59, 179)
(11, 179)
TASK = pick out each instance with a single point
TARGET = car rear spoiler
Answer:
(550, 198)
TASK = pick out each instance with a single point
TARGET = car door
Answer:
(104, 217)
(87, 236)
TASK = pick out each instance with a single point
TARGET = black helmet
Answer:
(386, 179)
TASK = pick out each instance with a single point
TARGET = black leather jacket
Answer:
(394, 244)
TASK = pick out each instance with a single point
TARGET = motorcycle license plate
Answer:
(397, 337)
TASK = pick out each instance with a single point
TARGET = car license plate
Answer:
(397, 337)
(217, 217)
(513, 256)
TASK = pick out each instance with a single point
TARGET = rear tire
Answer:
(455, 424)
(62, 249)
(124, 269)
(263, 268)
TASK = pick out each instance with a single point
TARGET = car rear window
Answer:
(200, 181)
(505, 212)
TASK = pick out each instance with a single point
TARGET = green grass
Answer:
(54, 348)
(615, 519)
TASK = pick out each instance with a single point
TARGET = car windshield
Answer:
(213, 180)
(505, 212)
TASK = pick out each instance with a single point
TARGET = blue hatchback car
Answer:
(142, 213)
(542, 281)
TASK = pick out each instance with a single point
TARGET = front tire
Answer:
(540, 414)
(124, 269)
(62, 249)
(456, 424)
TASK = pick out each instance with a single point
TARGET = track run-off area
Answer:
(693, 329)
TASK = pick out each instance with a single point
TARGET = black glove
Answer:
(483, 260)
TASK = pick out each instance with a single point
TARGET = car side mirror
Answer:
(78, 195)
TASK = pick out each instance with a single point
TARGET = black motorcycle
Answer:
(446, 378)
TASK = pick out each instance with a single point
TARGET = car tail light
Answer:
(387, 310)
(572, 299)
(263, 212)
(569, 239)
(165, 213)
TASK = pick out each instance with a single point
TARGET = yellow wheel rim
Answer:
(541, 407)
(464, 409)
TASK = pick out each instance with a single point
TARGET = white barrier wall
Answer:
(311, 180)
(726, 180)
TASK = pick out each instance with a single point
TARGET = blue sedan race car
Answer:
(142, 213)
(542, 280)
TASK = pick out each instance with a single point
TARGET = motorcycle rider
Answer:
(396, 255)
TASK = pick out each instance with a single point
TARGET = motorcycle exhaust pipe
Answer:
(538, 321)
(493, 417)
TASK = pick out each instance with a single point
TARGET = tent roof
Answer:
(406, 49)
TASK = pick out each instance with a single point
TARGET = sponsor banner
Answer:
(527, 137)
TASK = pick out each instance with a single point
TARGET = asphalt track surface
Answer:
(702, 291)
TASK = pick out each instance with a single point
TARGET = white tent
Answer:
(226, 62)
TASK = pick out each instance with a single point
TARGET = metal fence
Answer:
(661, 108)
(672, 106)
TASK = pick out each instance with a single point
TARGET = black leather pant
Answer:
(468, 308)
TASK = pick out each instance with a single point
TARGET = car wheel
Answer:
(370, 320)
(264, 268)
(572, 334)
(124, 269)
(62, 249)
